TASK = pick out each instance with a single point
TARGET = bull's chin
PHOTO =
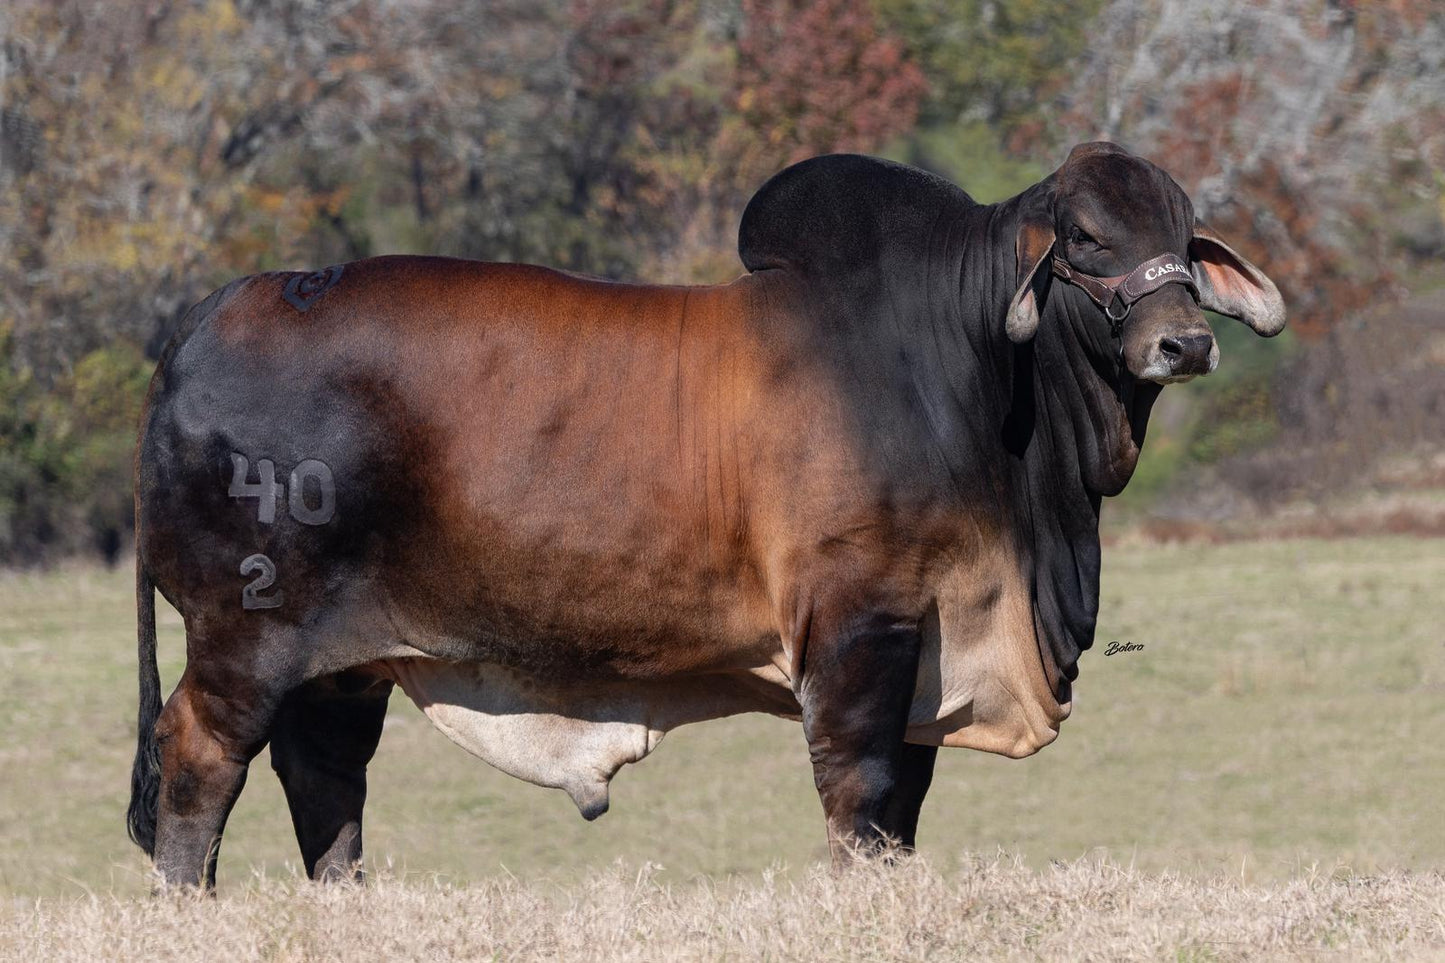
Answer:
(1160, 374)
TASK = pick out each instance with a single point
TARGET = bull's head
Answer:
(1124, 232)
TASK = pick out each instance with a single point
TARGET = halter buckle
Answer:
(1116, 321)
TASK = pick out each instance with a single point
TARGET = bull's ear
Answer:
(1232, 286)
(1032, 248)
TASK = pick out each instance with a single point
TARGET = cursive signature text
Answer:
(1117, 646)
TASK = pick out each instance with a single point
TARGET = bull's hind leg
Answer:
(211, 728)
(325, 734)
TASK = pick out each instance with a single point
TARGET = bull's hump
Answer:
(834, 214)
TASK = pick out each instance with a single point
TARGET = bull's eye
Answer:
(1078, 236)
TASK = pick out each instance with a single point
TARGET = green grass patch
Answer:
(1283, 714)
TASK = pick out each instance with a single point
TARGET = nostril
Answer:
(1186, 353)
(1197, 346)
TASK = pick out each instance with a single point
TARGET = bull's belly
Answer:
(981, 685)
(575, 736)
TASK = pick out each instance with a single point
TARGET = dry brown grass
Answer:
(992, 909)
(1284, 714)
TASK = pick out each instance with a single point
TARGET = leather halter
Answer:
(1147, 278)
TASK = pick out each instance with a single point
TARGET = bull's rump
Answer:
(522, 471)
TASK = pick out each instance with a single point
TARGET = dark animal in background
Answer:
(858, 486)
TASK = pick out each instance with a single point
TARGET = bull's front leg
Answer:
(856, 689)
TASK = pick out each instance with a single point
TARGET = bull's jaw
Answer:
(1121, 438)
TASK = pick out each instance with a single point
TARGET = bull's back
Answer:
(486, 461)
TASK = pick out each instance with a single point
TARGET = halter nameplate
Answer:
(1145, 279)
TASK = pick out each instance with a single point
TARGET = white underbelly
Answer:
(575, 737)
(981, 685)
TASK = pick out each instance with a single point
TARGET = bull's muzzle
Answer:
(1179, 357)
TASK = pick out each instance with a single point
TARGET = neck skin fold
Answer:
(1072, 420)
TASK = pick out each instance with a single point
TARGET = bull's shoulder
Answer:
(836, 213)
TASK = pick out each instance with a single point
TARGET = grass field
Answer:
(1277, 738)
(983, 909)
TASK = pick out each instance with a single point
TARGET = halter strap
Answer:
(1145, 279)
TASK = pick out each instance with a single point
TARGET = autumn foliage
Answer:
(817, 77)
(151, 154)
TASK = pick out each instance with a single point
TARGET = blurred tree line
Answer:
(150, 150)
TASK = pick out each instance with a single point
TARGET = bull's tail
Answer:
(145, 775)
